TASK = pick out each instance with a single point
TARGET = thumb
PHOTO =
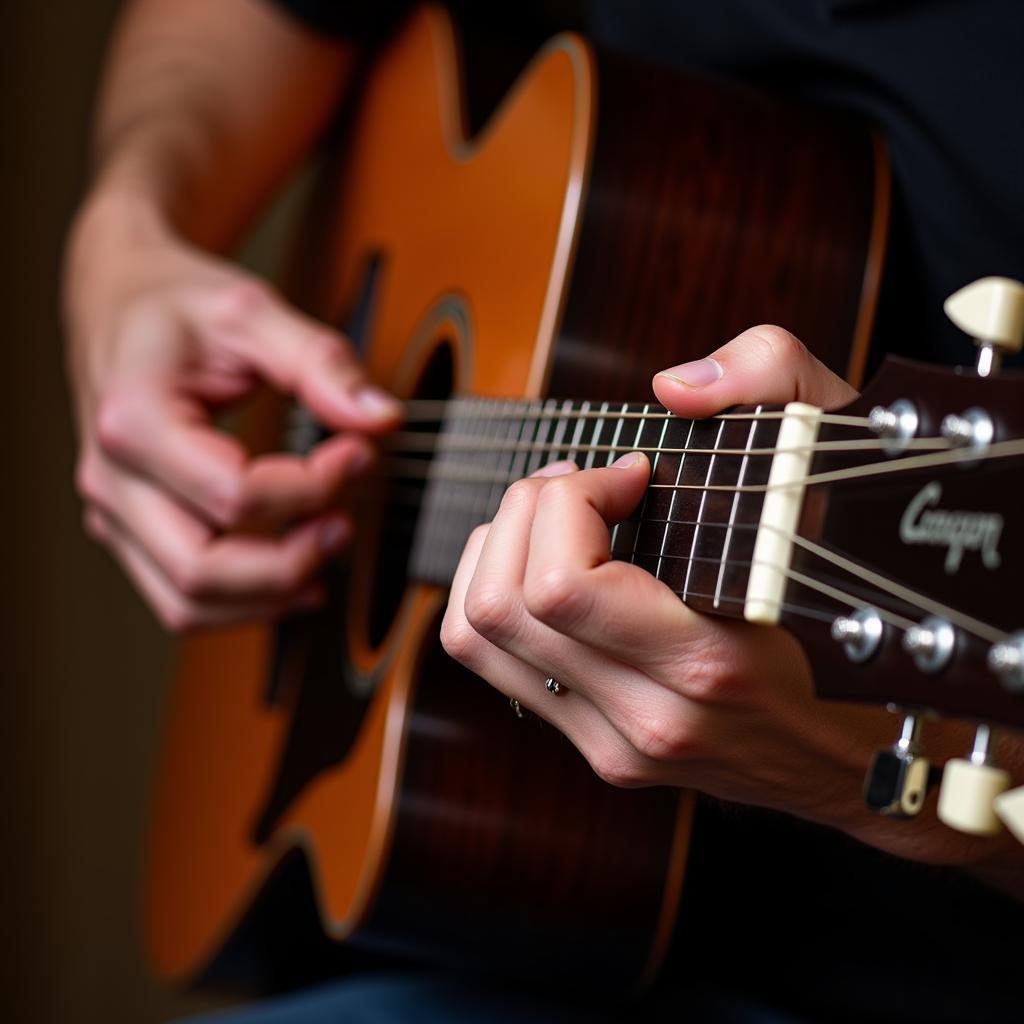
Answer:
(763, 364)
(297, 355)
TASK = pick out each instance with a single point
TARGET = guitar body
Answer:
(604, 224)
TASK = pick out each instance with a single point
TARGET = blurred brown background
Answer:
(84, 663)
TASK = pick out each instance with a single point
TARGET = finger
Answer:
(578, 507)
(763, 364)
(204, 566)
(571, 585)
(296, 354)
(494, 608)
(604, 747)
(168, 438)
(176, 611)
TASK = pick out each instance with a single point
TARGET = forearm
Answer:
(204, 108)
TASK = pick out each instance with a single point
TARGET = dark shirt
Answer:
(788, 912)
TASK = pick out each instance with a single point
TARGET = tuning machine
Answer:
(899, 776)
(971, 786)
(992, 312)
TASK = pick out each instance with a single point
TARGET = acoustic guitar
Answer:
(336, 783)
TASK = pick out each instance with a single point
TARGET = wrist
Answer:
(112, 225)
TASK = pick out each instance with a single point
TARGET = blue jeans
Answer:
(433, 998)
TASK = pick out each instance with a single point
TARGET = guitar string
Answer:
(432, 411)
(982, 630)
(445, 443)
(999, 450)
(969, 624)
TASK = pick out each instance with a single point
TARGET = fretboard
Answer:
(694, 529)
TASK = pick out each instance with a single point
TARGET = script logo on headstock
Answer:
(923, 523)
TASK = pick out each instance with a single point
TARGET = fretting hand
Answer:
(649, 691)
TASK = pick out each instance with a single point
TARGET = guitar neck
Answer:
(695, 528)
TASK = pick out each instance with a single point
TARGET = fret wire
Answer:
(647, 493)
(672, 502)
(593, 447)
(732, 513)
(620, 420)
(700, 511)
(561, 430)
(614, 446)
(536, 454)
(581, 418)
(527, 434)
(503, 469)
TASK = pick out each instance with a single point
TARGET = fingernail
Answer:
(333, 534)
(626, 461)
(696, 374)
(556, 468)
(378, 404)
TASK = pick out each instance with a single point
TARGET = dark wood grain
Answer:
(510, 854)
(710, 210)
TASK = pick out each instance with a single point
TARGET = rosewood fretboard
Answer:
(695, 537)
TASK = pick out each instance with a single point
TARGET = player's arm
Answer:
(203, 109)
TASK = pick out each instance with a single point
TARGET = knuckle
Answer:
(330, 351)
(234, 305)
(459, 639)
(190, 576)
(478, 535)
(492, 611)
(557, 596)
(92, 524)
(88, 480)
(521, 495)
(662, 737)
(617, 769)
(117, 424)
(557, 490)
(178, 617)
(227, 501)
(777, 345)
(706, 677)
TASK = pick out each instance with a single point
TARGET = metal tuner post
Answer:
(898, 779)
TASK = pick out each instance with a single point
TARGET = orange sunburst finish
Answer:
(420, 192)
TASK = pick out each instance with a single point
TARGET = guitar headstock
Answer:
(924, 531)
(903, 583)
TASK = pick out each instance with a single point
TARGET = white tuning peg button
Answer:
(967, 794)
(1010, 808)
(992, 312)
